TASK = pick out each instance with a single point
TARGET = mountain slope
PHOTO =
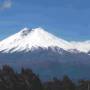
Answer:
(82, 46)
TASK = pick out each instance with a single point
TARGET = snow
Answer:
(27, 38)
(82, 46)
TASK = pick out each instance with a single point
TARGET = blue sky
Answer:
(68, 19)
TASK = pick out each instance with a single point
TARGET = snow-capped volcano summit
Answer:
(27, 39)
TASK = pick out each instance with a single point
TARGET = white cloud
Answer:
(6, 4)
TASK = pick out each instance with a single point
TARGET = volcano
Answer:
(48, 55)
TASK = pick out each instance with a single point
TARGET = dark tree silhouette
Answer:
(67, 83)
(26, 80)
(84, 85)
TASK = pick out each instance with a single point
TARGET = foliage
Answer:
(27, 80)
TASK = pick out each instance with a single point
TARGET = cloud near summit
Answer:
(6, 4)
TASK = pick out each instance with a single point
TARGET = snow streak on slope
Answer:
(26, 39)
(82, 46)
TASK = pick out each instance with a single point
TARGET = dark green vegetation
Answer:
(27, 80)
